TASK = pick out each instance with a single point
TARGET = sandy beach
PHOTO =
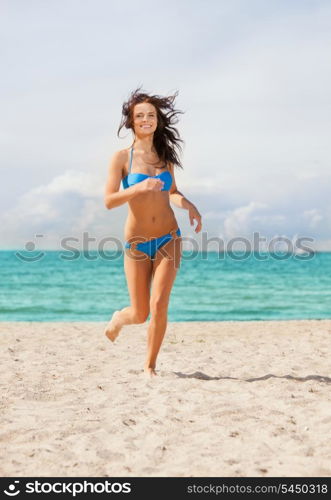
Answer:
(248, 398)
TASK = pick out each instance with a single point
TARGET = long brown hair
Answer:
(166, 137)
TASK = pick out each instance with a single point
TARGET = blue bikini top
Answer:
(131, 179)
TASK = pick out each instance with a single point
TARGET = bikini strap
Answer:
(130, 159)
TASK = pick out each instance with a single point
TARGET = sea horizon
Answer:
(235, 287)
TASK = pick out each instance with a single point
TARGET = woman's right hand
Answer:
(149, 184)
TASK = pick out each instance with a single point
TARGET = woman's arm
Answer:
(178, 199)
(113, 197)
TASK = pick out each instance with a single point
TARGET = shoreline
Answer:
(99, 322)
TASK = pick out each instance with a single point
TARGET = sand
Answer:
(248, 399)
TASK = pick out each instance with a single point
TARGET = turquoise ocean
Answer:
(58, 286)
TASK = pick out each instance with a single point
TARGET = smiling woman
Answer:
(158, 115)
(151, 219)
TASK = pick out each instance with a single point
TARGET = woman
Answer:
(153, 238)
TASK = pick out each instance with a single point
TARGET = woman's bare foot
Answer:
(149, 372)
(113, 328)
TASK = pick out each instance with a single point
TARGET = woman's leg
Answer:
(138, 276)
(165, 269)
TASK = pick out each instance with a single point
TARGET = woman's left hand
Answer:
(194, 214)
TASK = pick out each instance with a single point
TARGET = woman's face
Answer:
(144, 119)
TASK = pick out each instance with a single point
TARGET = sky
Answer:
(253, 80)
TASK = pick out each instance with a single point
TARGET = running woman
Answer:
(153, 239)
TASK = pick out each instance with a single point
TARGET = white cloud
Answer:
(239, 222)
(313, 217)
(83, 183)
(68, 205)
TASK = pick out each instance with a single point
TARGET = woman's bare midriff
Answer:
(150, 216)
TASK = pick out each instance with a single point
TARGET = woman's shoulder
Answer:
(122, 152)
(119, 161)
(121, 155)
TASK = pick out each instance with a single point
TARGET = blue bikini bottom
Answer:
(150, 247)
